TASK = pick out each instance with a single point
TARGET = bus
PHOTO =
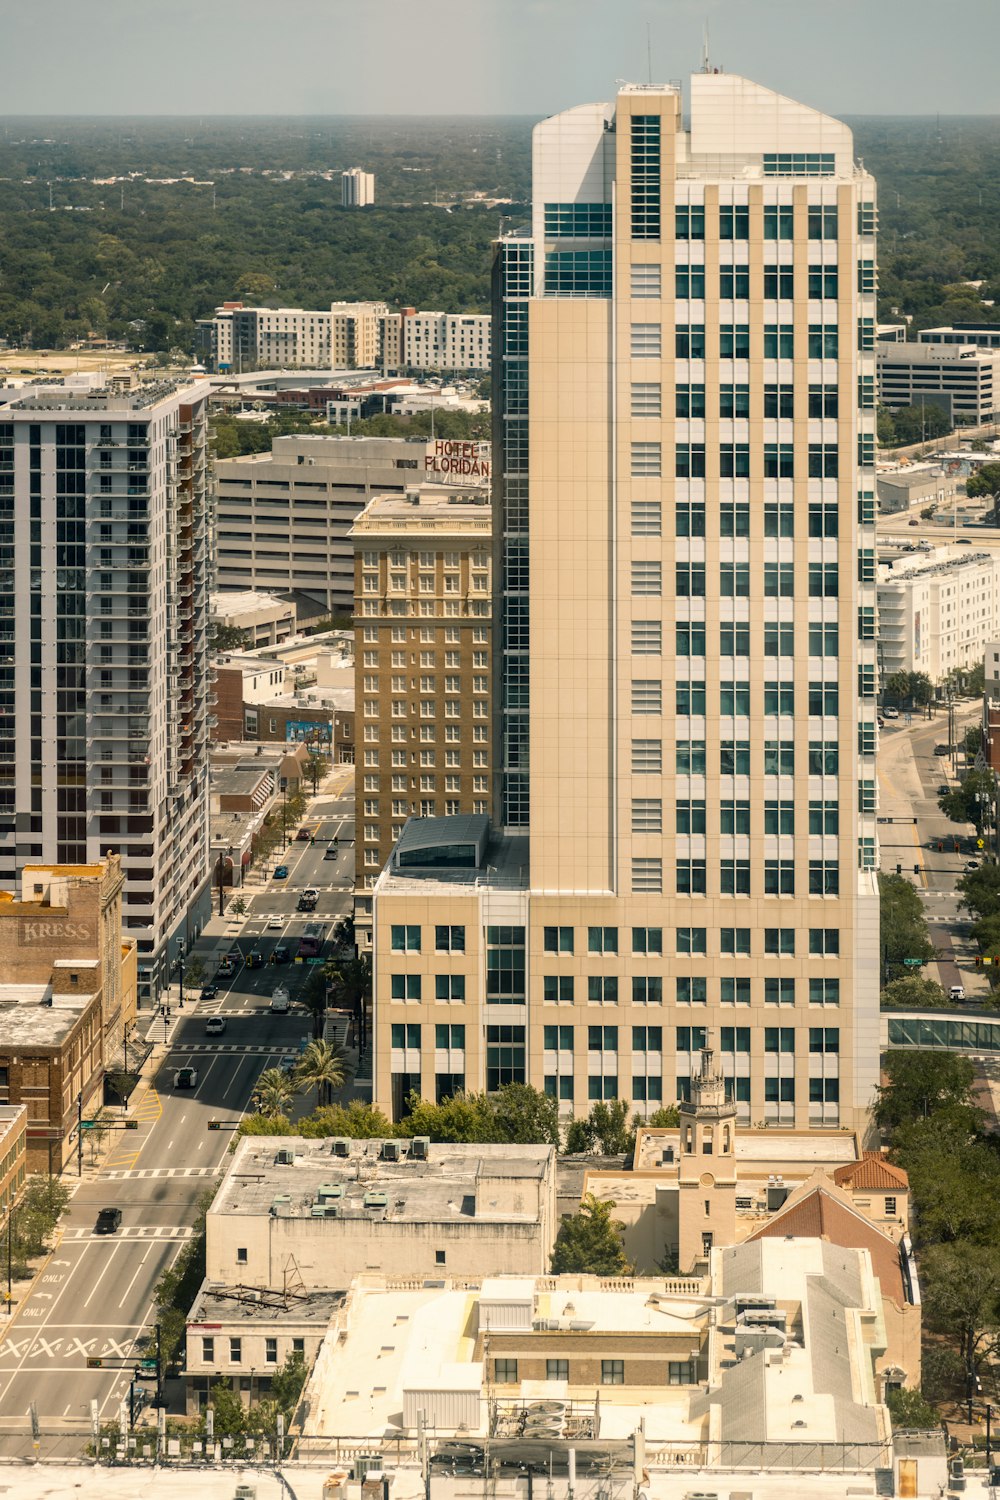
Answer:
(309, 831)
(311, 941)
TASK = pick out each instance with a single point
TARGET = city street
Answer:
(909, 775)
(94, 1296)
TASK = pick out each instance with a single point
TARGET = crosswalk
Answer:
(242, 1049)
(134, 1232)
(135, 1172)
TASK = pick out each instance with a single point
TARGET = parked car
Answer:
(108, 1221)
(943, 789)
(215, 1026)
(185, 1078)
(942, 750)
(890, 713)
(281, 873)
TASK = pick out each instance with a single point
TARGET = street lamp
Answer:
(180, 960)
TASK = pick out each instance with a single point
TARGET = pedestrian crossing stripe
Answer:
(136, 1232)
(235, 1048)
(163, 1172)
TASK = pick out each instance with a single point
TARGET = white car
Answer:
(276, 921)
(311, 893)
(891, 713)
(186, 1078)
(957, 992)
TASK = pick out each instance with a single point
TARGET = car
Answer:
(311, 893)
(209, 991)
(963, 541)
(281, 954)
(255, 959)
(215, 1025)
(185, 1078)
(108, 1221)
(226, 969)
(331, 851)
(306, 903)
(913, 523)
(957, 992)
(281, 873)
(276, 921)
(943, 789)
(942, 749)
(972, 864)
(890, 713)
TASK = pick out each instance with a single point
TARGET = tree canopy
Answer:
(924, 1083)
(589, 1241)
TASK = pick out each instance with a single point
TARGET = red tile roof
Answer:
(819, 1215)
(872, 1172)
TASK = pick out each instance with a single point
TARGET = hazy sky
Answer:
(486, 56)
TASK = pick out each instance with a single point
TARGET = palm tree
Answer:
(321, 1067)
(273, 1092)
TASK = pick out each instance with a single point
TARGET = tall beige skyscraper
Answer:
(684, 521)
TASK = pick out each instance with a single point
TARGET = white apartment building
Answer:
(357, 188)
(104, 740)
(962, 378)
(686, 736)
(445, 341)
(283, 518)
(938, 611)
(983, 335)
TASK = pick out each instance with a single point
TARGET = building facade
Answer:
(444, 341)
(284, 518)
(13, 1155)
(938, 610)
(357, 188)
(963, 379)
(684, 376)
(423, 667)
(983, 335)
(104, 524)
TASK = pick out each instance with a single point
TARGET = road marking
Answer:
(134, 1232)
(132, 1282)
(107, 1267)
(145, 1172)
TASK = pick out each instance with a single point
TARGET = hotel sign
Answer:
(450, 459)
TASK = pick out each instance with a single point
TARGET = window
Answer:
(822, 282)
(779, 757)
(647, 989)
(824, 992)
(235, 1351)
(779, 221)
(577, 221)
(734, 580)
(779, 817)
(824, 817)
(647, 638)
(779, 698)
(405, 1034)
(647, 1088)
(890, 1208)
(824, 518)
(208, 1351)
(691, 877)
(734, 400)
(734, 221)
(449, 987)
(799, 164)
(689, 758)
(824, 461)
(689, 638)
(734, 639)
(689, 461)
(824, 941)
(646, 399)
(779, 401)
(734, 698)
(646, 340)
(734, 1039)
(734, 282)
(824, 877)
(647, 757)
(779, 281)
(689, 579)
(647, 939)
(647, 815)
(404, 986)
(779, 341)
(779, 991)
(823, 581)
(734, 461)
(689, 401)
(824, 758)
(866, 276)
(734, 758)
(602, 989)
(691, 940)
(824, 1039)
(779, 1038)
(602, 939)
(689, 698)
(645, 164)
(734, 518)
(689, 517)
(689, 341)
(557, 1038)
(449, 939)
(557, 1369)
(734, 877)
(735, 940)
(602, 1038)
(505, 965)
(241, 1255)
(779, 941)
(779, 638)
(558, 939)
(690, 221)
(270, 1351)
(779, 877)
(578, 272)
(779, 461)
(779, 580)
(824, 640)
(557, 989)
(405, 939)
(733, 991)
(691, 989)
(823, 341)
(822, 221)
(689, 281)
(734, 341)
(505, 1371)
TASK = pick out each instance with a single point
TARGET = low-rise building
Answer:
(334, 1209)
(983, 335)
(13, 1154)
(938, 610)
(265, 619)
(242, 681)
(67, 999)
(963, 379)
(924, 484)
(767, 1362)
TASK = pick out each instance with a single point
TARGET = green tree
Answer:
(971, 801)
(34, 1220)
(975, 685)
(227, 638)
(358, 1121)
(667, 1117)
(922, 1083)
(903, 927)
(589, 1241)
(176, 1289)
(607, 1128)
(194, 970)
(322, 1067)
(287, 1383)
(239, 907)
(984, 483)
(913, 992)
(273, 1092)
(919, 424)
(954, 1176)
(961, 1293)
(910, 1411)
(980, 890)
(914, 687)
(268, 1125)
(523, 1115)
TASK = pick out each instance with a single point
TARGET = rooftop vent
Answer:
(391, 1151)
(420, 1147)
(376, 1200)
(340, 1147)
(284, 1157)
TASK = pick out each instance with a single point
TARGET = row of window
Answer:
(691, 341)
(824, 941)
(775, 580)
(737, 461)
(778, 221)
(604, 989)
(298, 1346)
(734, 758)
(738, 283)
(735, 698)
(690, 636)
(778, 401)
(679, 1372)
(691, 816)
(646, 1039)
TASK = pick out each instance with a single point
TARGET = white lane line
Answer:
(137, 1270)
(107, 1267)
(170, 1145)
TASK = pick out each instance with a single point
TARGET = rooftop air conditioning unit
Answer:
(391, 1151)
(420, 1147)
(284, 1157)
(340, 1147)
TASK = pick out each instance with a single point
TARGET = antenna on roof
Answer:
(704, 51)
(649, 56)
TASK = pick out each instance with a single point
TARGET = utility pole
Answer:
(159, 1371)
(180, 960)
(79, 1134)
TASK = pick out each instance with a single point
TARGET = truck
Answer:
(280, 1000)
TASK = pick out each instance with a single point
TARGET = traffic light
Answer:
(899, 869)
(979, 961)
(131, 1125)
(94, 1363)
(916, 869)
(996, 959)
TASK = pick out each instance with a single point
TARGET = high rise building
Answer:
(104, 559)
(357, 188)
(423, 668)
(684, 376)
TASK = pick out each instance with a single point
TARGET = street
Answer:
(94, 1296)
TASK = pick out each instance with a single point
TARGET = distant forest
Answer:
(91, 242)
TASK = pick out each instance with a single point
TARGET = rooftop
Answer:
(215, 1304)
(245, 602)
(103, 402)
(936, 564)
(503, 866)
(39, 1015)
(424, 507)
(452, 1184)
(771, 1149)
